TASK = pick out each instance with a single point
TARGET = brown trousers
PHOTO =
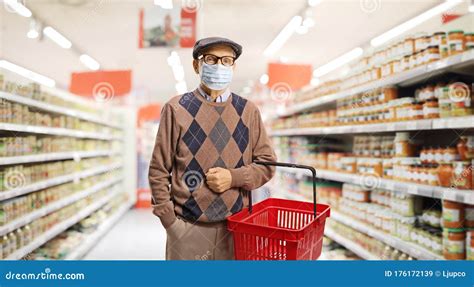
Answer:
(200, 241)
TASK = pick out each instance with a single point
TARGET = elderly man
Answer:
(202, 166)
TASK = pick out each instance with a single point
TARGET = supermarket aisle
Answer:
(139, 235)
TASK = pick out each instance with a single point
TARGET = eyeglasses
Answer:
(213, 59)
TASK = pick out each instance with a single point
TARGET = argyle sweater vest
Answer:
(195, 135)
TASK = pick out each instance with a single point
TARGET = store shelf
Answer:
(76, 155)
(19, 222)
(458, 195)
(58, 228)
(92, 239)
(352, 246)
(406, 247)
(57, 181)
(414, 76)
(56, 131)
(428, 124)
(56, 109)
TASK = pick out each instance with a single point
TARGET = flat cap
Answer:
(205, 43)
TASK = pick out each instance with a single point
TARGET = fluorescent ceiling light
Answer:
(302, 29)
(18, 8)
(471, 6)
(165, 4)
(27, 73)
(264, 79)
(181, 87)
(178, 73)
(315, 82)
(89, 62)
(56, 37)
(32, 34)
(283, 36)
(313, 3)
(410, 24)
(308, 22)
(338, 62)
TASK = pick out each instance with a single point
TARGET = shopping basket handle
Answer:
(291, 165)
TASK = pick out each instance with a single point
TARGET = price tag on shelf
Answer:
(449, 195)
(390, 127)
(411, 125)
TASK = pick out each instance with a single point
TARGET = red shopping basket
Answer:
(279, 229)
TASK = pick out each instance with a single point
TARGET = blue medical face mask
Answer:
(216, 77)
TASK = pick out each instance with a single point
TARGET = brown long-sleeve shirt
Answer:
(195, 135)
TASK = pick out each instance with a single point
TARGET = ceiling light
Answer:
(264, 79)
(89, 62)
(56, 37)
(283, 36)
(313, 3)
(165, 4)
(308, 22)
(315, 82)
(338, 62)
(471, 6)
(18, 7)
(181, 87)
(302, 29)
(32, 34)
(410, 24)
(27, 73)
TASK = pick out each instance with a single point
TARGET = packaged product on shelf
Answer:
(454, 243)
(453, 214)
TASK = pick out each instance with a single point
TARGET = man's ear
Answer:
(196, 66)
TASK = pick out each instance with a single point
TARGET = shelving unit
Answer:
(417, 75)
(95, 237)
(58, 228)
(76, 155)
(19, 222)
(411, 249)
(57, 181)
(458, 195)
(355, 248)
(426, 124)
(112, 127)
(56, 131)
(56, 109)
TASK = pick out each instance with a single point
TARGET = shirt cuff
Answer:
(239, 177)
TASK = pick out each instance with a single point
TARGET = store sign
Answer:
(188, 29)
(160, 27)
(103, 85)
(292, 76)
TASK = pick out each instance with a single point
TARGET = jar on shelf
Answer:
(462, 175)
(415, 112)
(431, 109)
(456, 42)
(387, 168)
(432, 54)
(469, 215)
(453, 214)
(469, 39)
(454, 243)
(444, 103)
(436, 38)
(445, 172)
(404, 147)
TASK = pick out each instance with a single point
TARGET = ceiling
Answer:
(108, 31)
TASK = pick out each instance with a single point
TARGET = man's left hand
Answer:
(218, 179)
